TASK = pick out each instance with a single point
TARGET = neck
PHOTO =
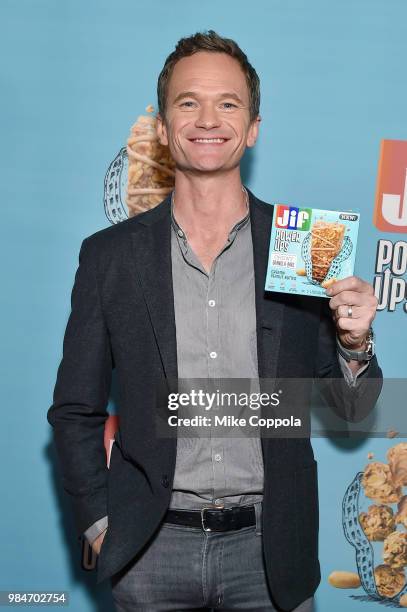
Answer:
(208, 204)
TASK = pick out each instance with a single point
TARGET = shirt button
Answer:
(180, 233)
(213, 354)
(211, 302)
(218, 457)
(218, 502)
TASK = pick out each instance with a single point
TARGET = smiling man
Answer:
(178, 292)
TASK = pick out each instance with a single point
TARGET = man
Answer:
(178, 291)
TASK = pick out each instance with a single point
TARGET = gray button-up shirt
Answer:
(215, 318)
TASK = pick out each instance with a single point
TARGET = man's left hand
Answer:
(353, 304)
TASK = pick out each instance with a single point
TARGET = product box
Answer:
(310, 249)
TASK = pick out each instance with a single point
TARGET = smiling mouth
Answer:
(208, 140)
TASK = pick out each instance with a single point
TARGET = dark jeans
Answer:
(186, 568)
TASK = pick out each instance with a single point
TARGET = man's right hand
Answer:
(97, 543)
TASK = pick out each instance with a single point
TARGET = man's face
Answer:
(207, 124)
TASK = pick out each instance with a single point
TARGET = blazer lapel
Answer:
(269, 305)
(269, 314)
(152, 255)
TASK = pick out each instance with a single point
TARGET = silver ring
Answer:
(350, 311)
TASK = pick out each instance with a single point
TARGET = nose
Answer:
(207, 117)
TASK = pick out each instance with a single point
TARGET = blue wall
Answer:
(75, 76)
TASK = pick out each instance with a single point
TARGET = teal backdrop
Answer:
(75, 75)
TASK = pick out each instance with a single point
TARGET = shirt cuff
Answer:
(96, 529)
(350, 377)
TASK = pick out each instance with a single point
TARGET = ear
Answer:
(253, 132)
(161, 130)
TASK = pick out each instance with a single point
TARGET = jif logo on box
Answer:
(390, 212)
(291, 217)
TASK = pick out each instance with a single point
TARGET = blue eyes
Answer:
(226, 104)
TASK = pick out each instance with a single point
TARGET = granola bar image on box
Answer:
(324, 251)
(326, 243)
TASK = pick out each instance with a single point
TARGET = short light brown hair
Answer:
(209, 41)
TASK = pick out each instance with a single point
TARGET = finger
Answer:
(347, 297)
(363, 301)
(364, 318)
(355, 325)
(350, 283)
(353, 298)
(343, 311)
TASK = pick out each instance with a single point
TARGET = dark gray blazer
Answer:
(123, 317)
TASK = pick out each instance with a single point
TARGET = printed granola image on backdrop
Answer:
(141, 174)
(378, 531)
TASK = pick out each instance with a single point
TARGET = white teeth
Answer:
(209, 139)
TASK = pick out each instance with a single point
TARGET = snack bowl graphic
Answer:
(323, 259)
(356, 536)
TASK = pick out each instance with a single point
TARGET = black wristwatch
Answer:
(358, 355)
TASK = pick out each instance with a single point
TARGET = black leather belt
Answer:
(212, 519)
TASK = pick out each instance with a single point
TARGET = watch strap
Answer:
(358, 356)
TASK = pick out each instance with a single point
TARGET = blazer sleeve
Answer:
(352, 403)
(80, 398)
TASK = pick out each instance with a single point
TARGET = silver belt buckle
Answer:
(203, 518)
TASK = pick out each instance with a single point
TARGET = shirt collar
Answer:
(178, 229)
